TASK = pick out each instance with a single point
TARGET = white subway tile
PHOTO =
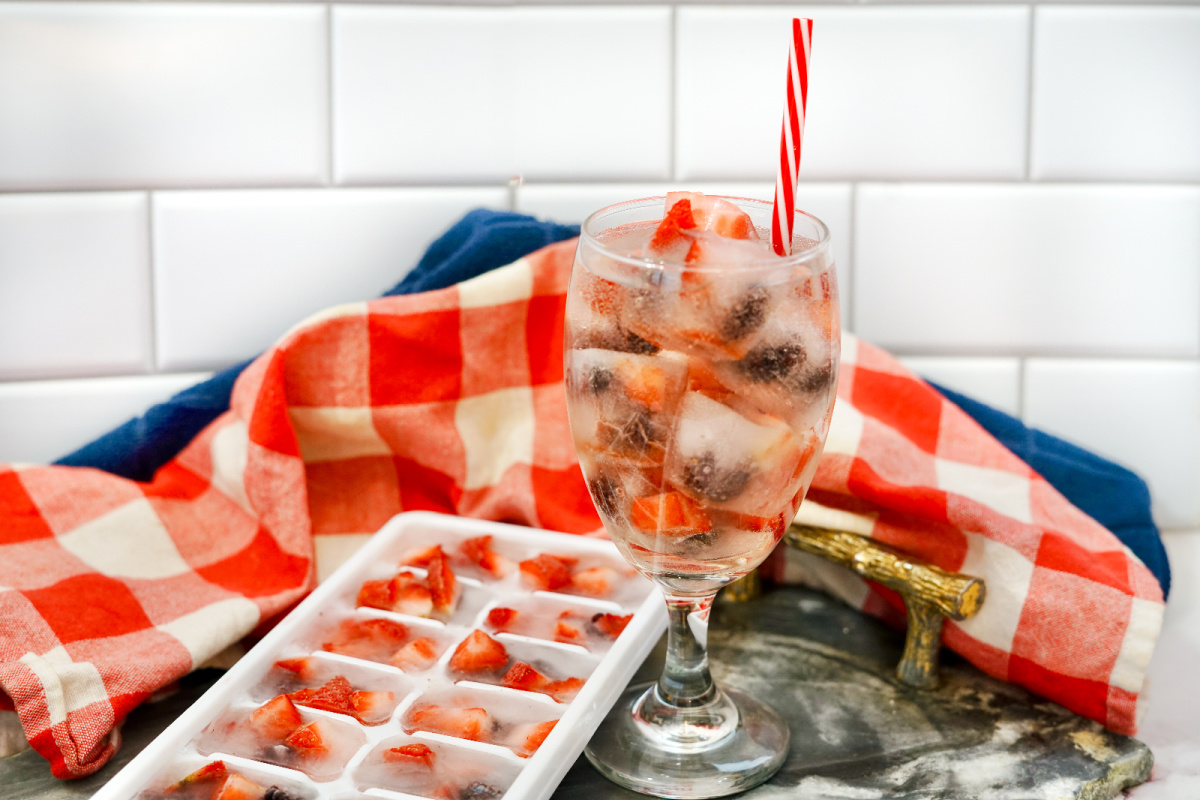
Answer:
(1050, 269)
(994, 381)
(1116, 93)
(42, 421)
(915, 92)
(116, 95)
(74, 285)
(1142, 414)
(235, 270)
(572, 203)
(424, 94)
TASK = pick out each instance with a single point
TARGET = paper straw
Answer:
(793, 132)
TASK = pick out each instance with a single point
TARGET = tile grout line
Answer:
(152, 285)
(852, 250)
(329, 113)
(672, 88)
(1029, 87)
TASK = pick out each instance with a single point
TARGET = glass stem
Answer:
(685, 680)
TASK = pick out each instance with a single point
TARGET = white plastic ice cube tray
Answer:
(188, 743)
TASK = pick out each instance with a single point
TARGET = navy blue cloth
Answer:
(484, 240)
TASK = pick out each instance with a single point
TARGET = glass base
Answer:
(729, 745)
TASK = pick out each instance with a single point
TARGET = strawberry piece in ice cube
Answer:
(464, 723)
(417, 655)
(372, 639)
(716, 214)
(595, 581)
(671, 512)
(410, 755)
(568, 630)
(538, 735)
(276, 719)
(420, 556)
(611, 625)
(546, 572)
(371, 708)
(333, 696)
(669, 236)
(501, 618)
(237, 787)
(303, 668)
(443, 586)
(479, 653)
(404, 593)
(479, 551)
(308, 741)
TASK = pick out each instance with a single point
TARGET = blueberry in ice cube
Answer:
(275, 793)
(606, 494)
(816, 378)
(479, 791)
(713, 482)
(773, 363)
(746, 316)
(599, 379)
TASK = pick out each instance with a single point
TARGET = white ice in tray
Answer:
(427, 767)
(411, 645)
(281, 745)
(196, 777)
(364, 693)
(594, 627)
(488, 715)
(319, 746)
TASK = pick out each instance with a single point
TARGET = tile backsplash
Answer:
(1013, 188)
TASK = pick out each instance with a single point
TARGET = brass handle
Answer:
(930, 594)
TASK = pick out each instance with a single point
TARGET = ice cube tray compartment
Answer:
(497, 729)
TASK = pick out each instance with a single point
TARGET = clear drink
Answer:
(701, 371)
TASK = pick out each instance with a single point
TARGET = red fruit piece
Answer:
(404, 593)
(669, 512)
(371, 708)
(501, 618)
(538, 735)
(596, 581)
(212, 772)
(309, 741)
(568, 630)
(333, 696)
(443, 586)
(421, 556)
(238, 788)
(465, 723)
(563, 691)
(276, 719)
(644, 384)
(717, 215)
(302, 667)
(524, 677)
(610, 625)
(479, 550)
(410, 755)
(479, 653)
(417, 655)
(670, 232)
(546, 572)
(371, 639)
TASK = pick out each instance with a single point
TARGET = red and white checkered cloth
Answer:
(453, 401)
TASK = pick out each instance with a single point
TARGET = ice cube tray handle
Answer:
(930, 594)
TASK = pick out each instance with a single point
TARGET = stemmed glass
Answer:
(699, 396)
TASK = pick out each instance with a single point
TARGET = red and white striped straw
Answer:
(793, 132)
